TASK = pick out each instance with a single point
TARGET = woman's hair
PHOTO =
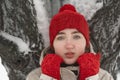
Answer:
(87, 49)
(48, 50)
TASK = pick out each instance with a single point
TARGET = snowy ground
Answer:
(118, 76)
(3, 72)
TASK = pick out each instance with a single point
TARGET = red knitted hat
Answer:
(68, 17)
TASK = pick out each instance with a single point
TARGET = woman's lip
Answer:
(69, 54)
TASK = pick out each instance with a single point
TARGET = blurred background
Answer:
(24, 33)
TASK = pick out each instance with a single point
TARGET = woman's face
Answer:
(69, 44)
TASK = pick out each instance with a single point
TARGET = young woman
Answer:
(71, 57)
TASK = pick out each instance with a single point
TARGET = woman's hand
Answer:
(51, 65)
(89, 65)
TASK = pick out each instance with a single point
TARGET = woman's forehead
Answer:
(68, 29)
(72, 31)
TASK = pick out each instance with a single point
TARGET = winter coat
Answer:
(66, 73)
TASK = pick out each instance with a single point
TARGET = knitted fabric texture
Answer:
(68, 18)
(51, 65)
(89, 64)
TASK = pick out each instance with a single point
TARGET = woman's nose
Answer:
(69, 44)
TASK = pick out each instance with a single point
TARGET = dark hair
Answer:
(48, 50)
(87, 49)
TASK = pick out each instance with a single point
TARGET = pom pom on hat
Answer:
(67, 7)
(68, 18)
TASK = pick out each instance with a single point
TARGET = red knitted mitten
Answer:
(89, 65)
(51, 65)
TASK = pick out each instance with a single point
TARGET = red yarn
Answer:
(89, 64)
(51, 65)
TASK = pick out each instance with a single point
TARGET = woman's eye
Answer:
(60, 38)
(76, 37)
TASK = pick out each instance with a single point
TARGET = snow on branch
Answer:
(22, 46)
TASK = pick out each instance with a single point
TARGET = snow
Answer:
(3, 72)
(118, 76)
(87, 7)
(23, 47)
(42, 20)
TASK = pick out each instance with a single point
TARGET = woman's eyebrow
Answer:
(74, 32)
(60, 33)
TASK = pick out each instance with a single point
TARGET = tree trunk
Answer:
(17, 18)
(105, 30)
